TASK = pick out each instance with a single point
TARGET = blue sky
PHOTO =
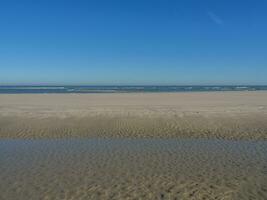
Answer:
(133, 42)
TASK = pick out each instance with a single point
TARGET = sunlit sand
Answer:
(209, 145)
(228, 115)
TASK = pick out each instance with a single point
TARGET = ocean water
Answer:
(126, 89)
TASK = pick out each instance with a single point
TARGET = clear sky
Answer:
(133, 42)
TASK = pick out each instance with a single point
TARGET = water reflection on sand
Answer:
(133, 168)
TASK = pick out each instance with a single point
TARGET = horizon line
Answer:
(129, 85)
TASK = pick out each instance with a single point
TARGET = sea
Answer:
(126, 88)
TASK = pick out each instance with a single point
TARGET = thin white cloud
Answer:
(215, 18)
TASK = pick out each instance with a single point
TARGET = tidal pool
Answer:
(133, 169)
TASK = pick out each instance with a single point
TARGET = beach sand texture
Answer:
(227, 115)
(198, 145)
(156, 169)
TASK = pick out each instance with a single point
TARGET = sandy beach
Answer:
(119, 169)
(197, 145)
(224, 115)
(133, 100)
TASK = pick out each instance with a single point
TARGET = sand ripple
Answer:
(133, 169)
(251, 126)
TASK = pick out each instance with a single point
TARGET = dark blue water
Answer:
(125, 89)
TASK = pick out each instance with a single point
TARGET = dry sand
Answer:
(228, 115)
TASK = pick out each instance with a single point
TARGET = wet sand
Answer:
(133, 169)
(208, 145)
(224, 115)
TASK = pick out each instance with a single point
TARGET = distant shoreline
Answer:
(126, 89)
